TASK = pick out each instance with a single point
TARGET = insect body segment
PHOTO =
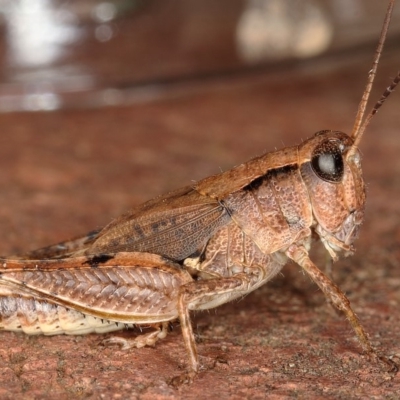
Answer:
(34, 316)
(336, 191)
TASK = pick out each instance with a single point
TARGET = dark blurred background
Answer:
(78, 53)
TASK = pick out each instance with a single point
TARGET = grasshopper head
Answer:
(330, 167)
(335, 186)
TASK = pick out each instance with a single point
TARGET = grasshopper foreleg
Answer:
(300, 255)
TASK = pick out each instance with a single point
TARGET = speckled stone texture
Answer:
(67, 172)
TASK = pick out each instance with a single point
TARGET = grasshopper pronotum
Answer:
(200, 246)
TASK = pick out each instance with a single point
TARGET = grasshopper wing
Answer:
(64, 249)
(175, 226)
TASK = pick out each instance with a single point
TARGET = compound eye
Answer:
(327, 161)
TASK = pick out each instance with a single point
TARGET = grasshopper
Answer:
(201, 246)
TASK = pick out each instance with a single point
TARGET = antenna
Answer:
(376, 107)
(360, 126)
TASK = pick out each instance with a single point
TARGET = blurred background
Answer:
(85, 53)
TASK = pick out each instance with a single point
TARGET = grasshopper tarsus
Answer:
(204, 364)
(185, 378)
(387, 364)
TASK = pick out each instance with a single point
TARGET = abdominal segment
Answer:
(35, 316)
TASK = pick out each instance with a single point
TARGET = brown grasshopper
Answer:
(200, 246)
